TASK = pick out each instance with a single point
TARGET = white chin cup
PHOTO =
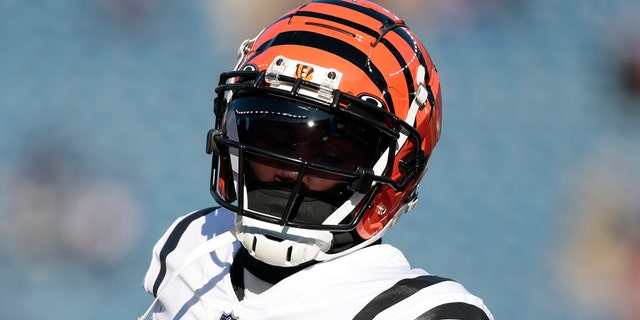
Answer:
(281, 246)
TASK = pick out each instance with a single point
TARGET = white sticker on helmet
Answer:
(327, 78)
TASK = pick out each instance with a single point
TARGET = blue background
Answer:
(104, 107)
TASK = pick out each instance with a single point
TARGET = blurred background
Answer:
(531, 199)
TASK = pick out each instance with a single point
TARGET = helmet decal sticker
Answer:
(304, 72)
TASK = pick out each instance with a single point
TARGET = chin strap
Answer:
(205, 248)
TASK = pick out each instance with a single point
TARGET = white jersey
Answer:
(372, 283)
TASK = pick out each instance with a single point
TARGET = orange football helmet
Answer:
(343, 100)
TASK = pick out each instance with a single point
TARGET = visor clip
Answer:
(364, 181)
(212, 146)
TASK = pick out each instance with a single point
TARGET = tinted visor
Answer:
(300, 131)
(299, 161)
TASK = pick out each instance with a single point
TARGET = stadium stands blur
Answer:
(104, 106)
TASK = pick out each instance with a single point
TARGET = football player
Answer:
(322, 133)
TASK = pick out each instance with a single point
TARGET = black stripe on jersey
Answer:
(335, 46)
(398, 292)
(454, 310)
(172, 243)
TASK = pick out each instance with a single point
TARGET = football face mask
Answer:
(296, 164)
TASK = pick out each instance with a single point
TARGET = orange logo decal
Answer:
(304, 72)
